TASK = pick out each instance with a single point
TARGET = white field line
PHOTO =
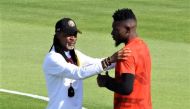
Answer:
(27, 94)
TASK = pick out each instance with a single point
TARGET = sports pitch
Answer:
(27, 29)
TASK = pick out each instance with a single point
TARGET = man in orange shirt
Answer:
(132, 82)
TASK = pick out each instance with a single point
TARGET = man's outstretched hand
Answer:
(122, 54)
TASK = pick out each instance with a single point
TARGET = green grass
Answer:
(10, 101)
(27, 28)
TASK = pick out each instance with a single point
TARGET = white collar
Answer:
(67, 53)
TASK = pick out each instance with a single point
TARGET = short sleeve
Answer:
(127, 66)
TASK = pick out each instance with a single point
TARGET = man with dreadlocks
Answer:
(65, 67)
(131, 84)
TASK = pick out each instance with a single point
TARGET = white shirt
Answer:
(59, 74)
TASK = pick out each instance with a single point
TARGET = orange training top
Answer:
(138, 64)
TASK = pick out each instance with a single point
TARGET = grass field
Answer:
(20, 102)
(27, 28)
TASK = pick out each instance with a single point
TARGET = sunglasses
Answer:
(70, 34)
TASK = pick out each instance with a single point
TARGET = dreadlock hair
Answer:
(59, 49)
(123, 14)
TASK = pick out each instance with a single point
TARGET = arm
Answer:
(124, 87)
(123, 53)
(55, 64)
(87, 60)
(124, 83)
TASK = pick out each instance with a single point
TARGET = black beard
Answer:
(117, 43)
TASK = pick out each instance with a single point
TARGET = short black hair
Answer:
(124, 14)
